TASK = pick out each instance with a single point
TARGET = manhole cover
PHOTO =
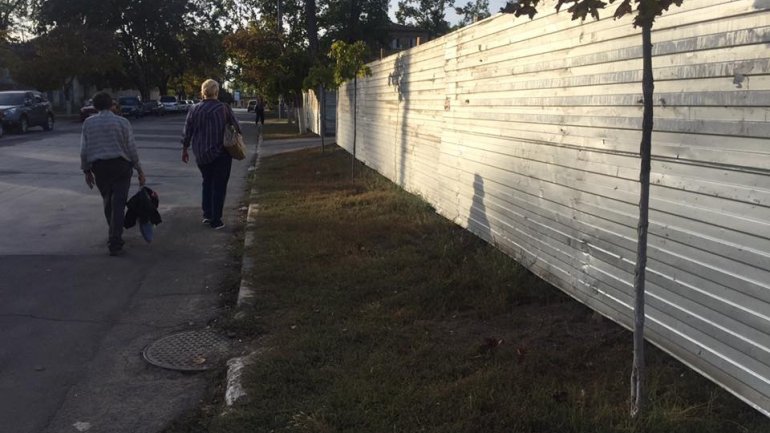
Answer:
(188, 351)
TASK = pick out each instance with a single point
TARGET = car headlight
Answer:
(11, 111)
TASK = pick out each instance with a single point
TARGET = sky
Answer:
(451, 16)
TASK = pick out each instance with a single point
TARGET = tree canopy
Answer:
(141, 44)
(352, 20)
(12, 15)
(429, 15)
(174, 44)
(49, 61)
(472, 12)
(263, 58)
(646, 10)
(349, 61)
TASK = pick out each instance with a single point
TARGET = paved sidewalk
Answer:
(274, 147)
(74, 320)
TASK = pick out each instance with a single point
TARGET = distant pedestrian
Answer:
(108, 157)
(204, 130)
(259, 109)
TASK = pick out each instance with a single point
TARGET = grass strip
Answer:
(380, 316)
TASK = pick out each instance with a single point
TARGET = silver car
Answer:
(170, 104)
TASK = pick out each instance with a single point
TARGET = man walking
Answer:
(108, 157)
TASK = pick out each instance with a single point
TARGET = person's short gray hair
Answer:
(210, 89)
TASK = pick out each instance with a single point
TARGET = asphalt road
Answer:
(73, 321)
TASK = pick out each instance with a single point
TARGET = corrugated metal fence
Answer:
(527, 133)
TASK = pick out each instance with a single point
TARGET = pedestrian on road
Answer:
(108, 157)
(259, 109)
(204, 130)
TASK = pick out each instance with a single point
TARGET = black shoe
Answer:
(206, 221)
(216, 225)
(116, 252)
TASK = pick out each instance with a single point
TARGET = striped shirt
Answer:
(204, 129)
(107, 136)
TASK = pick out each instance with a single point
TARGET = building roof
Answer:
(395, 27)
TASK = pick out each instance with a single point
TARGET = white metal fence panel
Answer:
(527, 134)
(311, 111)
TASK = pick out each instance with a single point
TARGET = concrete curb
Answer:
(234, 390)
(246, 291)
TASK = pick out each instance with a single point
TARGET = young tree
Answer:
(644, 12)
(429, 15)
(472, 12)
(350, 64)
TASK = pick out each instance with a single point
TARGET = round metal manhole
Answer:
(188, 351)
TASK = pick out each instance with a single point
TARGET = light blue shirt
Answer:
(107, 136)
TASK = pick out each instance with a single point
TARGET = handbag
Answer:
(233, 141)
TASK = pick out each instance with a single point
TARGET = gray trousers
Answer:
(113, 178)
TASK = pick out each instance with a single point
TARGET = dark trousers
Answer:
(113, 178)
(216, 174)
(260, 115)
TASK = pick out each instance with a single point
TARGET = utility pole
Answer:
(279, 21)
(279, 18)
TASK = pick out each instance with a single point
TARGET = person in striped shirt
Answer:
(204, 130)
(108, 157)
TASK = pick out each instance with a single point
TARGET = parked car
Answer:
(152, 106)
(159, 109)
(182, 105)
(131, 106)
(252, 105)
(1, 124)
(147, 107)
(87, 110)
(170, 103)
(22, 109)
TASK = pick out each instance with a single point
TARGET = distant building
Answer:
(403, 37)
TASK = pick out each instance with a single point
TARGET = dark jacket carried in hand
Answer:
(144, 207)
